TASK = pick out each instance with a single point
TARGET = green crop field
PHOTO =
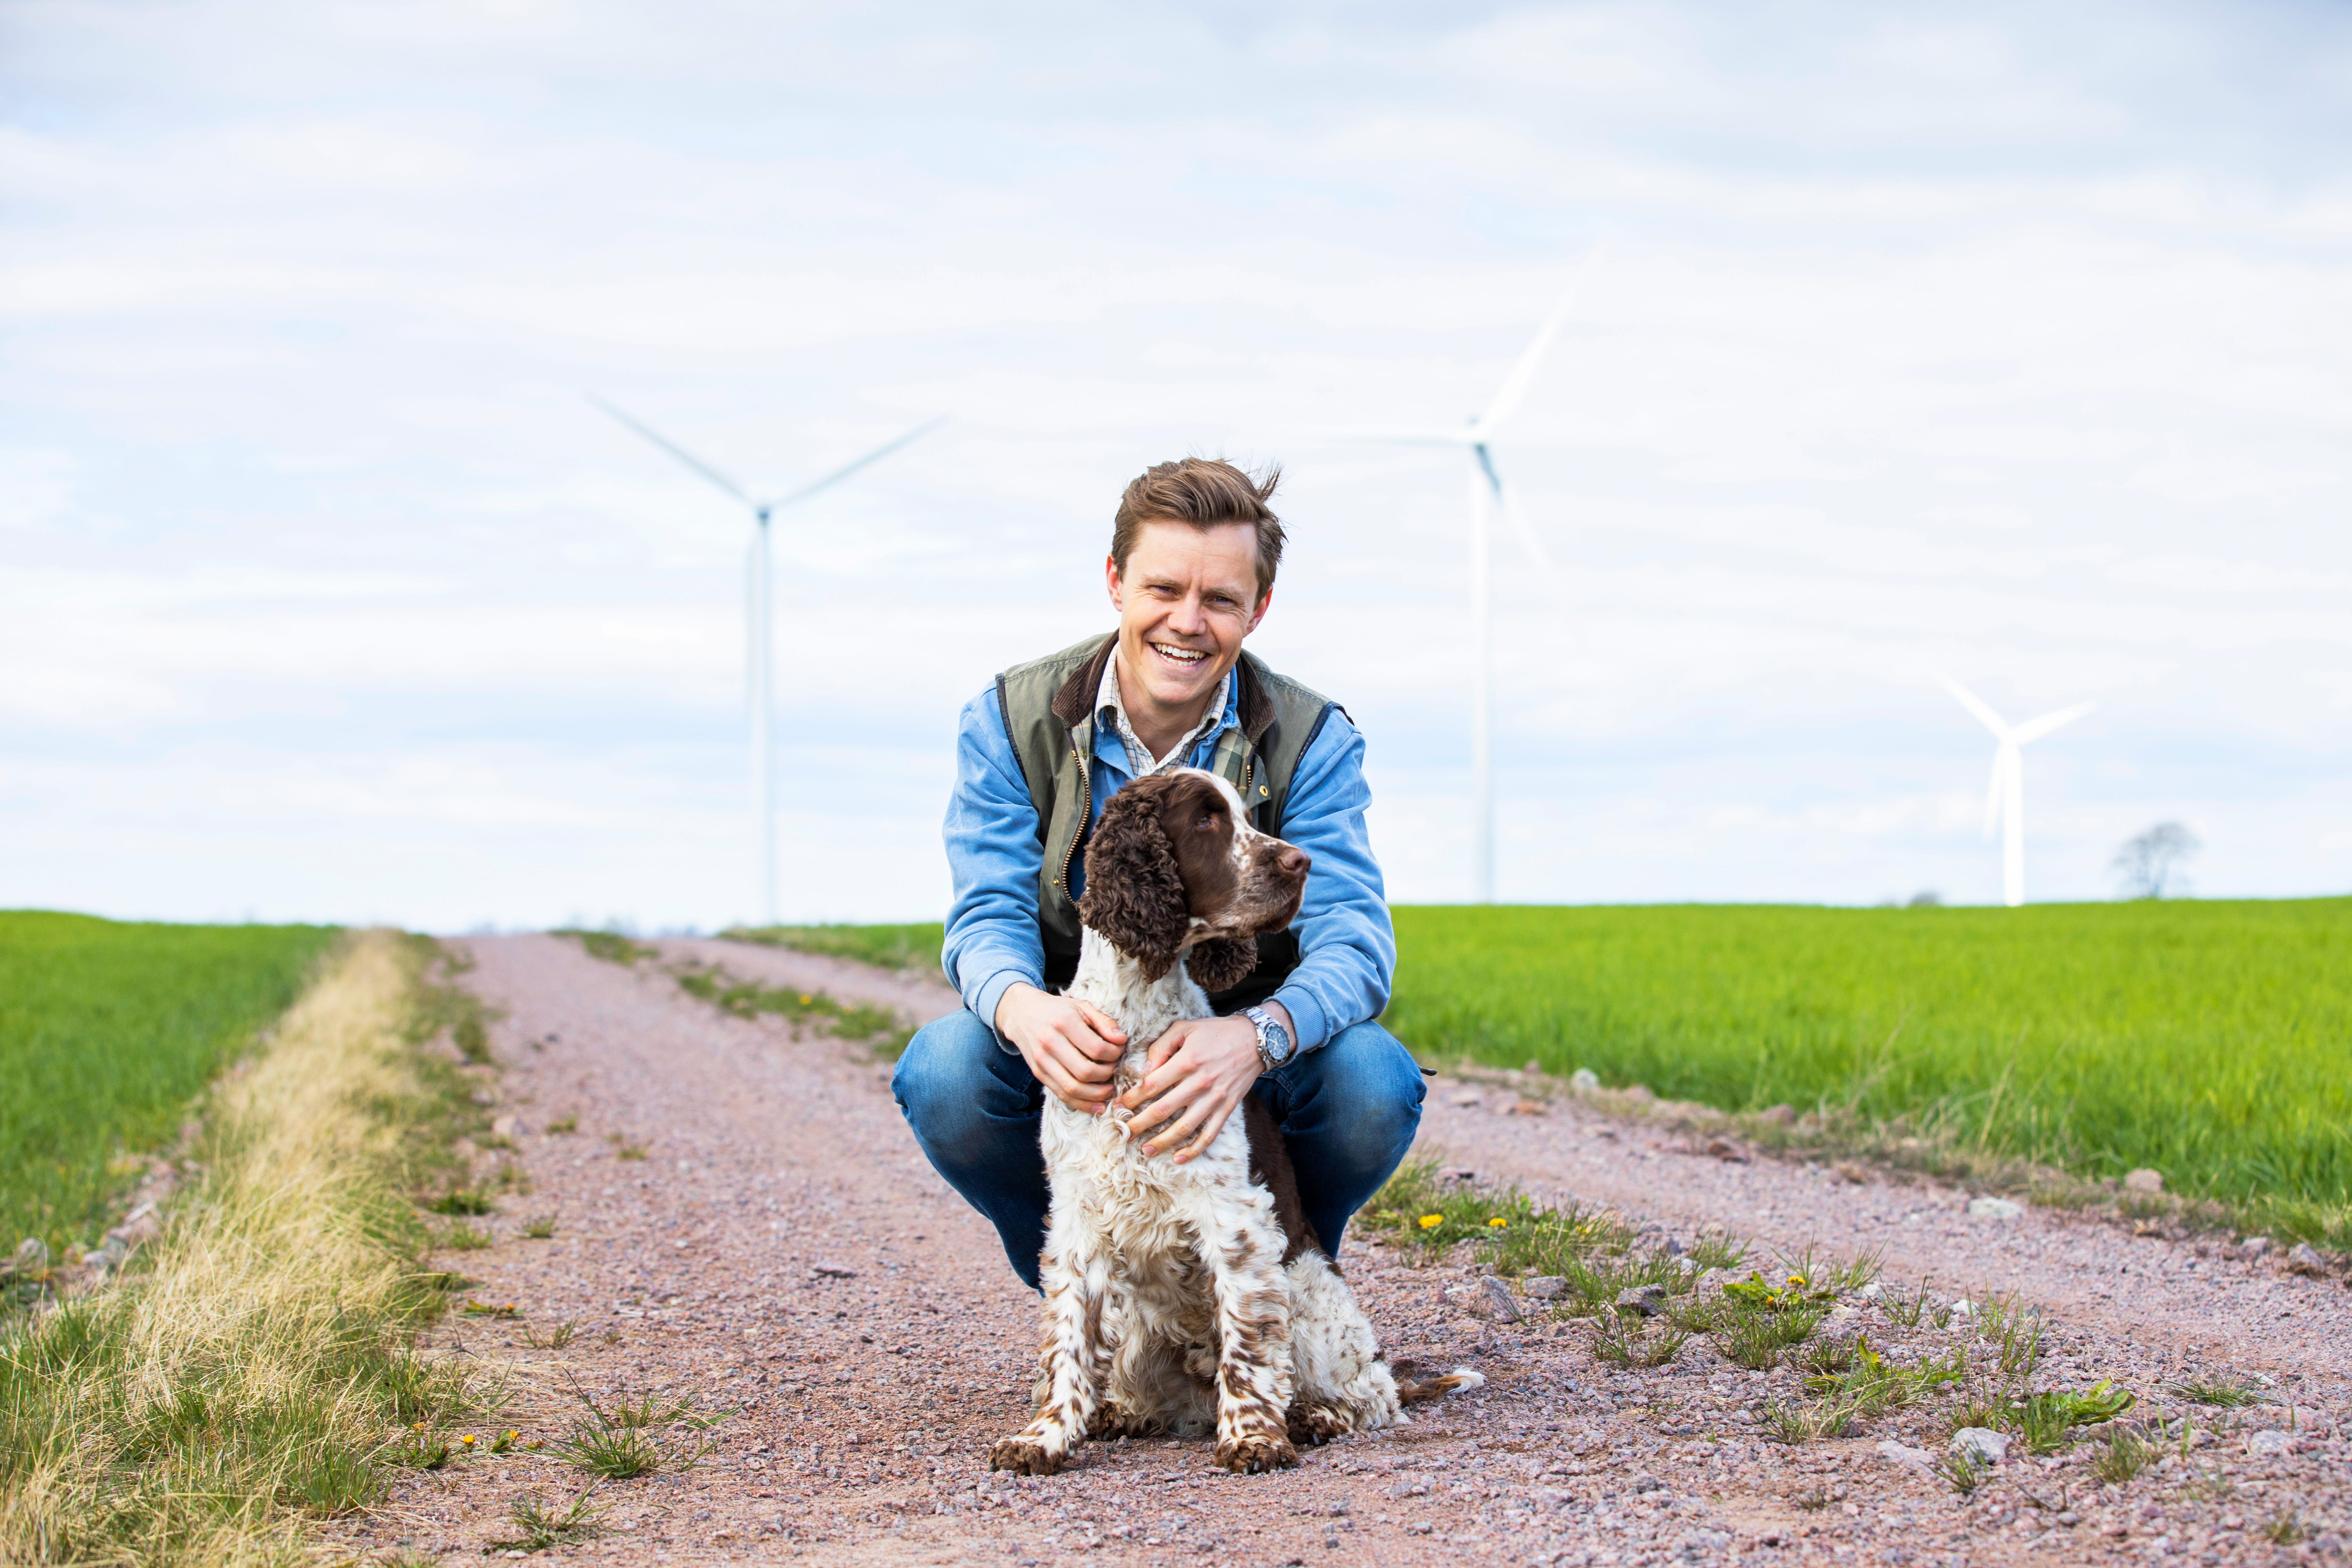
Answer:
(2211, 1040)
(2208, 1039)
(107, 1031)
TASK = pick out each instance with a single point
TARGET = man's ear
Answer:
(1265, 602)
(1135, 894)
(1221, 962)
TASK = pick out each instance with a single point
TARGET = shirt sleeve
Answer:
(993, 858)
(1348, 946)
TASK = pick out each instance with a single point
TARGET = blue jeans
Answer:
(1348, 1113)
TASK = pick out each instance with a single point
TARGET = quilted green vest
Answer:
(1048, 709)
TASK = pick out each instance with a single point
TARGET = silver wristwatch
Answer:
(1275, 1045)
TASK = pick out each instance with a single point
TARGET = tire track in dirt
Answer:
(864, 1402)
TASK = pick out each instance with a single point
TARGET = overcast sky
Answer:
(2015, 341)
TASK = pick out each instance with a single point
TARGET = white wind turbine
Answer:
(759, 615)
(1486, 485)
(2005, 799)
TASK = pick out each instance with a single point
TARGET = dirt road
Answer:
(782, 1251)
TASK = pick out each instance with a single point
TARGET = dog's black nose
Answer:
(1293, 860)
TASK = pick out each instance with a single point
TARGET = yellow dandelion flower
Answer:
(1498, 1222)
(1432, 1221)
(467, 1441)
(807, 1000)
(418, 1427)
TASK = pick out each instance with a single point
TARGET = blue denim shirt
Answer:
(1348, 947)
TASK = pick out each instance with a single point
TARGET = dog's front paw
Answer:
(1248, 1455)
(1024, 1456)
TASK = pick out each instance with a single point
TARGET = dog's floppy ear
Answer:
(1135, 894)
(1221, 962)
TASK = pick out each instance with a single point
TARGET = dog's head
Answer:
(1175, 866)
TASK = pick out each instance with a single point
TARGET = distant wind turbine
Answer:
(759, 613)
(1486, 486)
(2005, 799)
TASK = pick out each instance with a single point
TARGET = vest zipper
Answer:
(1086, 794)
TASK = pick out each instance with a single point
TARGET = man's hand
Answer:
(1073, 1048)
(1200, 1070)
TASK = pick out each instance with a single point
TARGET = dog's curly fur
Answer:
(1191, 1298)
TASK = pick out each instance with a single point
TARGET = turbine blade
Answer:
(875, 455)
(1976, 705)
(1530, 540)
(1506, 399)
(2034, 728)
(675, 451)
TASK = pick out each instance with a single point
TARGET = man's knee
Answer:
(1366, 1092)
(949, 1081)
(1370, 1076)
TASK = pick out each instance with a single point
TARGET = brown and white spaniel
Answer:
(1195, 1297)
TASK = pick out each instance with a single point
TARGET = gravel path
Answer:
(782, 1250)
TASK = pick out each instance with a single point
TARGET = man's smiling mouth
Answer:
(1181, 658)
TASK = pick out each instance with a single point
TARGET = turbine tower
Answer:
(2005, 798)
(1489, 494)
(759, 615)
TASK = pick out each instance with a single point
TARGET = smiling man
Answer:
(1194, 552)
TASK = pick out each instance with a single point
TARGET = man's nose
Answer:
(1293, 860)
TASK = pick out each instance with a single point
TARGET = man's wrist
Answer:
(1276, 1046)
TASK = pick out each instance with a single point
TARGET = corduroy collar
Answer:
(1074, 703)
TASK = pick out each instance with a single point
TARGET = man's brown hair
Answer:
(1205, 493)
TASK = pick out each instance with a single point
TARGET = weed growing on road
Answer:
(1716, 1251)
(859, 1022)
(610, 945)
(555, 1339)
(468, 1200)
(2044, 1421)
(1427, 1211)
(1807, 1271)
(462, 1237)
(2122, 1457)
(1619, 1344)
(615, 1441)
(1756, 1340)
(2224, 1392)
(1914, 1311)
(2286, 1530)
(1962, 1470)
(564, 1124)
(539, 1229)
(542, 1527)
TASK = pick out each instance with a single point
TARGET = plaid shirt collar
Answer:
(1109, 707)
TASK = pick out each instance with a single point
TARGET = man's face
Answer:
(1185, 602)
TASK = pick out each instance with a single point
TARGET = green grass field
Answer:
(107, 1032)
(2211, 1040)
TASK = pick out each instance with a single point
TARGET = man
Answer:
(1194, 552)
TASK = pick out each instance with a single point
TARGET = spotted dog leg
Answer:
(1076, 1273)
(1254, 1339)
